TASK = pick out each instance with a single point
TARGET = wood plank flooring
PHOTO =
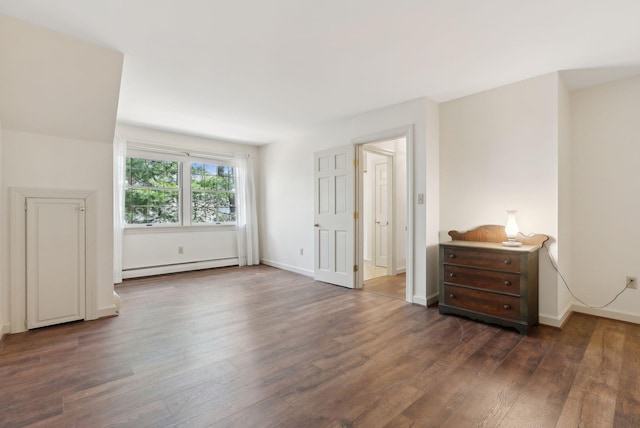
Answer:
(391, 286)
(260, 347)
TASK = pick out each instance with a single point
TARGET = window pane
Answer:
(151, 193)
(212, 193)
(139, 214)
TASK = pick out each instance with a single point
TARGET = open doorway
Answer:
(384, 217)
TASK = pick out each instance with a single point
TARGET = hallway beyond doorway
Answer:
(390, 286)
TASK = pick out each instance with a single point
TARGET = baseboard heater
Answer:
(178, 267)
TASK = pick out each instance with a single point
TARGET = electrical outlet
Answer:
(181, 250)
(632, 282)
(301, 251)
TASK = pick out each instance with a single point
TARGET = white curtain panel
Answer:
(246, 211)
(119, 159)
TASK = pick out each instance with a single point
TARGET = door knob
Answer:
(316, 225)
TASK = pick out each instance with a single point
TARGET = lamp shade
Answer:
(511, 228)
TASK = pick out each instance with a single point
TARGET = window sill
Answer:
(135, 230)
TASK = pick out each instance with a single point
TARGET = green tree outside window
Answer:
(212, 193)
(152, 191)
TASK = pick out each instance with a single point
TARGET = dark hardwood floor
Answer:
(260, 347)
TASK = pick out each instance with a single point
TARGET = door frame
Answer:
(406, 132)
(18, 242)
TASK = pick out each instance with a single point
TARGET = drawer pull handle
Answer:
(453, 296)
(507, 262)
(452, 275)
(506, 306)
(452, 256)
(507, 283)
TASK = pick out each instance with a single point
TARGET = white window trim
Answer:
(158, 150)
(185, 159)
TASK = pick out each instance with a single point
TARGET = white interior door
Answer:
(334, 210)
(381, 206)
(55, 261)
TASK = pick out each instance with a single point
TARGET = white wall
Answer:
(499, 151)
(54, 84)
(37, 161)
(4, 287)
(432, 199)
(286, 189)
(58, 105)
(146, 248)
(194, 143)
(606, 195)
(565, 213)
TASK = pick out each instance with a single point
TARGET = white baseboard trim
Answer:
(283, 266)
(433, 299)
(4, 329)
(112, 310)
(116, 301)
(607, 313)
(108, 311)
(552, 321)
(557, 321)
(181, 267)
(419, 300)
(401, 270)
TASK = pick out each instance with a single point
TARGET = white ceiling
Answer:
(262, 70)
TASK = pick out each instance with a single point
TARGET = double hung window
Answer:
(179, 190)
(152, 193)
(213, 193)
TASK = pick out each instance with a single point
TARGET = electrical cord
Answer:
(555, 267)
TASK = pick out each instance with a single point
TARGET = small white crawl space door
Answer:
(55, 260)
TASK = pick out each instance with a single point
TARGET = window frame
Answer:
(218, 163)
(185, 193)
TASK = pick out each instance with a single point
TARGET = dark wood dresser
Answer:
(489, 282)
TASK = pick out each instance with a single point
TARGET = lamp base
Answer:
(512, 243)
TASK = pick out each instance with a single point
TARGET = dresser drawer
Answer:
(492, 304)
(485, 259)
(487, 279)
